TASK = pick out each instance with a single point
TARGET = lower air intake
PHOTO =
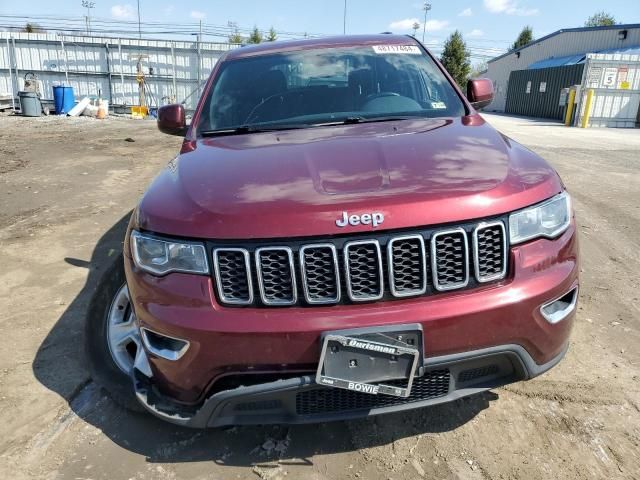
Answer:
(319, 401)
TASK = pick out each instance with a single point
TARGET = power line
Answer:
(478, 48)
(53, 22)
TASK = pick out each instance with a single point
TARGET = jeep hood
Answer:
(298, 182)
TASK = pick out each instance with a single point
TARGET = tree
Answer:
(415, 28)
(455, 58)
(478, 70)
(525, 37)
(32, 28)
(600, 19)
(255, 36)
(235, 37)
(272, 36)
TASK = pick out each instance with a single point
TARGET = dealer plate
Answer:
(363, 365)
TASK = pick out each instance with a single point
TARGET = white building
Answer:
(563, 43)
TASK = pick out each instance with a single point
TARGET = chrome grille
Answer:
(233, 278)
(367, 269)
(407, 266)
(320, 277)
(450, 259)
(490, 251)
(276, 278)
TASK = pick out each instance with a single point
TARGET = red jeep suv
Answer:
(341, 235)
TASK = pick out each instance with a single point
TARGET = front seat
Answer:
(361, 85)
(270, 83)
(266, 86)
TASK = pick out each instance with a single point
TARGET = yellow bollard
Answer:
(587, 109)
(572, 98)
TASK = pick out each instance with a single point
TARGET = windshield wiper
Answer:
(244, 129)
(357, 119)
(350, 120)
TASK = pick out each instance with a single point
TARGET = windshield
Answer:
(320, 86)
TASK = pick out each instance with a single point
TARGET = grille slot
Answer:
(319, 401)
(450, 259)
(320, 276)
(276, 277)
(475, 373)
(407, 266)
(363, 270)
(490, 251)
(233, 275)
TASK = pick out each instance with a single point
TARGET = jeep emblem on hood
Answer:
(374, 219)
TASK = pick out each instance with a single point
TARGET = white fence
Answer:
(108, 66)
(615, 80)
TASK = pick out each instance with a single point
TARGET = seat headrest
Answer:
(361, 80)
(270, 83)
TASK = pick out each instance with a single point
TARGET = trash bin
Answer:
(63, 99)
(30, 105)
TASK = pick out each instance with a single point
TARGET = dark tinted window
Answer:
(324, 85)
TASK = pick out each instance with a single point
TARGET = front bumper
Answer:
(301, 400)
(284, 342)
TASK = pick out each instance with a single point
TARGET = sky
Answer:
(488, 26)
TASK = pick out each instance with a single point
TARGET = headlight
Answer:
(160, 257)
(548, 219)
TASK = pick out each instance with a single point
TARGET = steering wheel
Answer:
(389, 101)
(373, 96)
(254, 114)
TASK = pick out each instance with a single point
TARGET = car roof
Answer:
(323, 42)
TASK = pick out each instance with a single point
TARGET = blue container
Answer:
(63, 99)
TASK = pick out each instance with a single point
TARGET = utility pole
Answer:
(426, 8)
(199, 58)
(88, 5)
(344, 20)
(415, 28)
(139, 28)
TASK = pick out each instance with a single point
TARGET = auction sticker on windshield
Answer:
(406, 49)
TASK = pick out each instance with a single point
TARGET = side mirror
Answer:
(480, 92)
(171, 120)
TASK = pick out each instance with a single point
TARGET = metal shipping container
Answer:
(536, 93)
(615, 81)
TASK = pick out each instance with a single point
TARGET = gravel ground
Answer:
(66, 189)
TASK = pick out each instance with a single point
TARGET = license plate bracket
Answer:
(362, 363)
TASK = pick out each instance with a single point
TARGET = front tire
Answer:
(112, 338)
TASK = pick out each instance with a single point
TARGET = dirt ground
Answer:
(66, 188)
